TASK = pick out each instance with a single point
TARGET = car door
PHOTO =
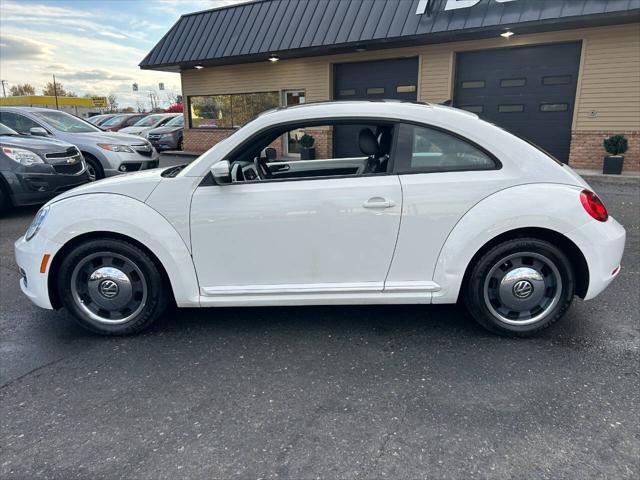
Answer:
(288, 237)
(443, 175)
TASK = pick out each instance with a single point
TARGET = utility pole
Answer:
(55, 91)
(4, 93)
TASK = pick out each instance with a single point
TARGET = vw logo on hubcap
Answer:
(108, 288)
(522, 289)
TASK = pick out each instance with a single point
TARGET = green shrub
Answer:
(307, 141)
(616, 145)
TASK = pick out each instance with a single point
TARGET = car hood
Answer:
(163, 130)
(138, 185)
(35, 144)
(108, 137)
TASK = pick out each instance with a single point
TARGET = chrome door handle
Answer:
(378, 202)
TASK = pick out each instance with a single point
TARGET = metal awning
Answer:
(295, 28)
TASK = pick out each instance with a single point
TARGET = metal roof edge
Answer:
(525, 28)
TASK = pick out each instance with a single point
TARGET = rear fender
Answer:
(549, 206)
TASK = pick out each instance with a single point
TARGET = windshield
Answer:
(66, 123)
(175, 122)
(149, 121)
(113, 121)
(4, 130)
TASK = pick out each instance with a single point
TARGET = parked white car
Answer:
(437, 206)
(144, 125)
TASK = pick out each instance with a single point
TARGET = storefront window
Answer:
(229, 111)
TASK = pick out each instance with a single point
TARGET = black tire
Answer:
(494, 303)
(180, 145)
(142, 274)
(5, 201)
(96, 172)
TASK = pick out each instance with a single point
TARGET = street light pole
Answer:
(55, 91)
(4, 93)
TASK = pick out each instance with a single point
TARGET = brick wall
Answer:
(202, 140)
(323, 141)
(587, 150)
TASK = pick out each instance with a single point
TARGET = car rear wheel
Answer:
(520, 287)
(111, 287)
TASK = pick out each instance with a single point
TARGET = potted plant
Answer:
(307, 151)
(615, 146)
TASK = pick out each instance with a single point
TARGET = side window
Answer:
(19, 123)
(131, 120)
(311, 151)
(423, 149)
(10, 120)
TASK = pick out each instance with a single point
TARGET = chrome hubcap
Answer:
(92, 172)
(109, 288)
(522, 288)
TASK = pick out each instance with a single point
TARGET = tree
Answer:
(178, 99)
(175, 108)
(20, 90)
(112, 100)
(48, 90)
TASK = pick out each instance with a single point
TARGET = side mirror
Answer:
(38, 132)
(221, 172)
(271, 154)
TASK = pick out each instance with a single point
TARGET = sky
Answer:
(92, 46)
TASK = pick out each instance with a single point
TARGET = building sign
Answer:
(426, 6)
(99, 102)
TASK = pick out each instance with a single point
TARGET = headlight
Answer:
(166, 135)
(116, 148)
(37, 223)
(22, 156)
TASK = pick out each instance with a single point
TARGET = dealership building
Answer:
(564, 74)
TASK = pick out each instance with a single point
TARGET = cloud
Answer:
(13, 48)
(39, 10)
(94, 74)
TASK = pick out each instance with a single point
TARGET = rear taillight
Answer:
(593, 205)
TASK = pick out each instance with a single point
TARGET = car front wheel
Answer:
(520, 287)
(111, 287)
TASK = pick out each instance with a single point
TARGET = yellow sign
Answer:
(99, 102)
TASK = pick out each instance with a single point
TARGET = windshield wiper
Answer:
(173, 171)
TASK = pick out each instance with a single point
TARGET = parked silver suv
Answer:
(106, 153)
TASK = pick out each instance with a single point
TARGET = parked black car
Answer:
(168, 137)
(35, 169)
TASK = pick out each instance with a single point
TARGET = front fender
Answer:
(550, 206)
(105, 212)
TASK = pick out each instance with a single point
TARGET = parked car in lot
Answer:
(436, 206)
(168, 137)
(144, 125)
(98, 120)
(118, 122)
(105, 153)
(34, 170)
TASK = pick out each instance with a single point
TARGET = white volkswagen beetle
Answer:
(403, 203)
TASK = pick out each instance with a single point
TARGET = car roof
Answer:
(392, 109)
(29, 109)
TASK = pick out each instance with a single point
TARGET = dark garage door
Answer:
(529, 91)
(374, 80)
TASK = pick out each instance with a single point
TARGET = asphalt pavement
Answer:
(324, 392)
